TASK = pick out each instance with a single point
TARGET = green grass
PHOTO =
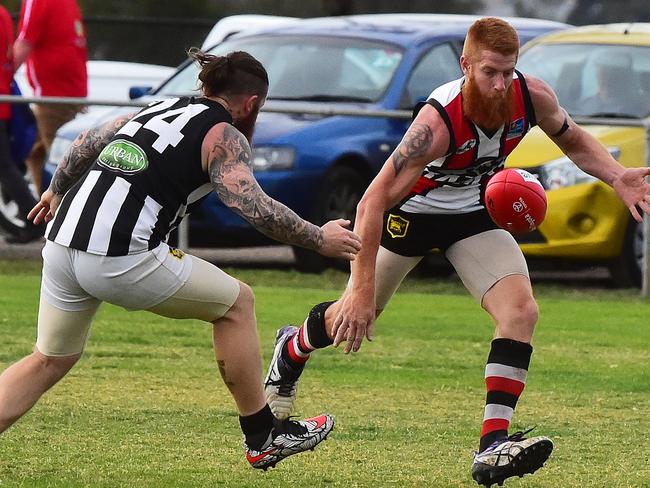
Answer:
(146, 407)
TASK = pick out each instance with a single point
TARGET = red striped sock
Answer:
(299, 347)
(505, 378)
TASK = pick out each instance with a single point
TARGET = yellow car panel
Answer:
(585, 219)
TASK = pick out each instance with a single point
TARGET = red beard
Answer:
(488, 112)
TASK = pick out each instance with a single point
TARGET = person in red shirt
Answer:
(52, 41)
(12, 183)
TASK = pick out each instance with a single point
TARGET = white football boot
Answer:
(281, 383)
(514, 456)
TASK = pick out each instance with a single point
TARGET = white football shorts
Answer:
(165, 281)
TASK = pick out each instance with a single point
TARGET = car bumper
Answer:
(585, 221)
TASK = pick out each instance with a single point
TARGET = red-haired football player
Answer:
(428, 195)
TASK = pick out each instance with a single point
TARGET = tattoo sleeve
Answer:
(82, 154)
(415, 144)
(234, 183)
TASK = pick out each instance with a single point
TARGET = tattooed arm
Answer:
(75, 163)
(227, 158)
(83, 152)
(426, 139)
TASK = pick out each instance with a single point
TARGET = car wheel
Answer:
(627, 270)
(338, 199)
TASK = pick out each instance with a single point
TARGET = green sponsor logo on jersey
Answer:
(123, 156)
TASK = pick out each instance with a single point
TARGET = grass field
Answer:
(145, 406)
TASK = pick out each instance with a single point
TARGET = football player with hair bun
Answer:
(428, 195)
(113, 201)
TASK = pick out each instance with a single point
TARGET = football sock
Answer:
(505, 378)
(257, 428)
(311, 336)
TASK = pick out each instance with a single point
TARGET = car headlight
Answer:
(563, 172)
(60, 146)
(268, 158)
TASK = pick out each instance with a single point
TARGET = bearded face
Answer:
(488, 108)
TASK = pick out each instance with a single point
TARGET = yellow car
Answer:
(601, 75)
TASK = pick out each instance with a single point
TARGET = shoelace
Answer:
(286, 389)
(288, 426)
(519, 435)
(288, 378)
(516, 437)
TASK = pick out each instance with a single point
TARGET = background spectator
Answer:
(52, 41)
(12, 182)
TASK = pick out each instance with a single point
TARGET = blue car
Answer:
(320, 165)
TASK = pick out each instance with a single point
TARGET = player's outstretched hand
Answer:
(354, 320)
(339, 242)
(46, 207)
(631, 187)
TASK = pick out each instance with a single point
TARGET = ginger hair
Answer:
(492, 34)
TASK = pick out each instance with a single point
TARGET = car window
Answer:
(438, 66)
(594, 79)
(310, 68)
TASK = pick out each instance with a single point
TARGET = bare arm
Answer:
(426, 140)
(83, 152)
(395, 179)
(586, 151)
(75, 163)
(228, 163)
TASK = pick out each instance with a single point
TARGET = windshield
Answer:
(309, 68)
(594, 79)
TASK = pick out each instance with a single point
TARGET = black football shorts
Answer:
(412, 234)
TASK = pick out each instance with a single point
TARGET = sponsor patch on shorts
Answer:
(397, 226)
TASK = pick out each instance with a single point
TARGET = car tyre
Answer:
(627, 270)
(338, 199)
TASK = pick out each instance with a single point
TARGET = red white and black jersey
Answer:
(454, 182)
(140, 186)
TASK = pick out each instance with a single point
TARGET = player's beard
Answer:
(488, 112)
(247, 125)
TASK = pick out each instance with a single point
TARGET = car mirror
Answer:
(138, 91)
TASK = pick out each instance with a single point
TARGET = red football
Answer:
(515, 200)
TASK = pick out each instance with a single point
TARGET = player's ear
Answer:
(464, 64)
(250, 103)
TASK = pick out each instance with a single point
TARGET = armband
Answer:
(563, 129)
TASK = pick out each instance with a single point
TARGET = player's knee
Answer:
(525, 312)
(246, 297)
(54, 367)
(245, 303)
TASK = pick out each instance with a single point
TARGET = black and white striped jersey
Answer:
(138, 189)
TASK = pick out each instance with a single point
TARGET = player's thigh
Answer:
(66, 310)
(63, 333)
(207, 294)
(390, 270)
(483, 259)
